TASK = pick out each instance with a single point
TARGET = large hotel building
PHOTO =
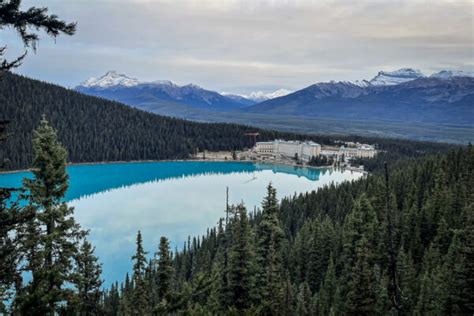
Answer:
(288, 149)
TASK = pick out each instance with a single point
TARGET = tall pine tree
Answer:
(240, 261)
(269, 257)
(88, 281)
(52, 235)
(140, 298)
(164, 273)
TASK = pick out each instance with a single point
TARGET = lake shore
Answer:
(183, 160)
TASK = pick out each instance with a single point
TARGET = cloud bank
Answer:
(240, 46)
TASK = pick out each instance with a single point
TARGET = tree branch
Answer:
(27, 24)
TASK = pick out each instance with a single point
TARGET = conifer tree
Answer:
(53, 233)
(269, 258)
(240, 274)
(164, 271)
(361, 225)
(467, 251)
(430, 301)
(126, 297)
(304, 300)
(408, 281)
(319, 254)
(8, 264)
(384, 303)
(432, 296)
(337, 305)
(361, 298)
(388, 246)
(112, 301)
(327, 290)
(289, 298)
(11, 216)
(88, 281)
(140, 301)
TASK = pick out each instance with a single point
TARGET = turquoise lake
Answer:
(172, 199)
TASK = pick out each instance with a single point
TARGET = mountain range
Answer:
(404, 96)
(150, 95)
(434, 99)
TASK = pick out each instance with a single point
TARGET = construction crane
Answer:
(254, 136)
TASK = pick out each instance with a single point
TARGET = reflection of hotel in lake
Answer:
(309, 173)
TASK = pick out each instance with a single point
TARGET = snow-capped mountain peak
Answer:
(259, 96)
(386, 78)
(110, 79)
(267, 96)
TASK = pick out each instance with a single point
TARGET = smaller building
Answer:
(265, 148)
(360, 150)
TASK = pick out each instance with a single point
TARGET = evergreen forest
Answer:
(399, 241)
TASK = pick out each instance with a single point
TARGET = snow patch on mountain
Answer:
(114, 79)
(388, 78)
(262, 96)
(359, 83)
(259, 96)
(110, 79)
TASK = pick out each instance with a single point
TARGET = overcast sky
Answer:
(243, 46)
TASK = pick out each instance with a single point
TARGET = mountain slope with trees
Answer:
(94, 129)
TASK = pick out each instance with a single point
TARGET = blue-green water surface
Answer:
(173, 199)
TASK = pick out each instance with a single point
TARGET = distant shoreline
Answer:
(175, 160)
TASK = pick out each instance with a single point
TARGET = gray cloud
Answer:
(245, 45)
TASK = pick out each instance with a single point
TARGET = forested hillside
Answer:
(369, 247)
(94, 129)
